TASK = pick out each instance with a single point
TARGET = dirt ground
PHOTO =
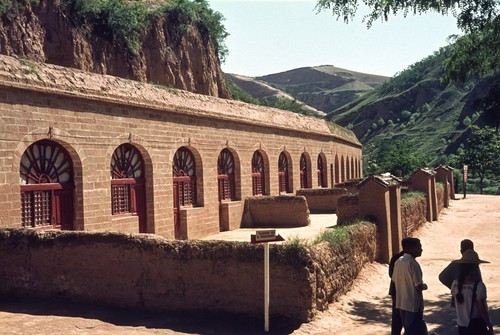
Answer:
(364, 310)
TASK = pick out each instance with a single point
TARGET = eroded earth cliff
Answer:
(171, 53)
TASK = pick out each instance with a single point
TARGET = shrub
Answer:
(11, 7)
(467, 121)
(123, 21)
(381, 122)
(405, 115)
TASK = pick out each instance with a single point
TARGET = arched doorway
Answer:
(226, 177)
(128, 194)
(337, 170)
(322, 170)
(184, 185)
(258, 174)
(304, 172)
(46, 175)
(283, 174)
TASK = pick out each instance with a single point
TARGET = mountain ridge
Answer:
(323, 87)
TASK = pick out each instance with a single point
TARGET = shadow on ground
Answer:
(439, 315)
(184, 322)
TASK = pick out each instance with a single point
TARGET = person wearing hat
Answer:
(469, 295)
(450, 273)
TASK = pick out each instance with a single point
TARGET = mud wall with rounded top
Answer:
(152, 273)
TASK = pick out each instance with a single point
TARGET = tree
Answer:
(476, 53)
(481, 154)
(397, 157)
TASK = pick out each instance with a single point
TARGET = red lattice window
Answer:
(46, 175)
(127, 175)
(283, 174)
(321, 172)
(258, 174)
(184, 172)
(303, 172)
(226, 177)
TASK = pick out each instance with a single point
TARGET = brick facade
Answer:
(91, 119)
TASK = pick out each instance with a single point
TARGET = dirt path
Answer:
(364, 310)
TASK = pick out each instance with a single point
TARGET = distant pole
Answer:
(464, 172)
(266, 287)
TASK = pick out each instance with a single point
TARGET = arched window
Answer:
(321, 172)
(337, 170)
(283, 177)
(304, 173)
(353, 168)
(347, 169)
(184, 172)
(127, 183)
(258, 174)
(342, 170)
(226, 176)
(46, 177)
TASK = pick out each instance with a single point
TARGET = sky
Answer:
(272, 36)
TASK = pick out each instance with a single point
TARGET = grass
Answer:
(410, 196)
(332, 236)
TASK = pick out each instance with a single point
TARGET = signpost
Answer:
(266, 236)
(464, 172)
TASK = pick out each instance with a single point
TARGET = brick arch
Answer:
(347, 168)
(285, 177)
(305, 170)
(337, 169)
(128, 184)
(342, 169)
(78, 158)
(236, 166)
(260, 172)
(353, 168)
(144, 148)
(187, 177)
(322, 170)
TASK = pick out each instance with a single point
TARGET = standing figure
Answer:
(396, 325)
(450, 273)
(469, 294)
(407, 277)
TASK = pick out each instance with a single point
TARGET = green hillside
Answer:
(323, 88)
(417, 106)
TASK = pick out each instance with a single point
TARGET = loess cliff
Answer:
(171, 53)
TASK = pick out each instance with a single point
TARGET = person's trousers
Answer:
(396, 324)
(413, 323)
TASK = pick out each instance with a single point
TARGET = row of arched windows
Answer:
(46, 176)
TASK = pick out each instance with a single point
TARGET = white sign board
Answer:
(265, 235)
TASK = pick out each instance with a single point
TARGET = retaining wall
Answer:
(278, 211)
(152, 273)
(323, 200)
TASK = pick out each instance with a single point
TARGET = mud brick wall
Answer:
(152, 273)
(91, 115)
(413, 215)
(322, 200)
(280, 211)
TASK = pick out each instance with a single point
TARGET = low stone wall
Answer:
(151, 273)
(323, 200)
(276, 211)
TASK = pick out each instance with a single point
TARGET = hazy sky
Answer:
(271, 36)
